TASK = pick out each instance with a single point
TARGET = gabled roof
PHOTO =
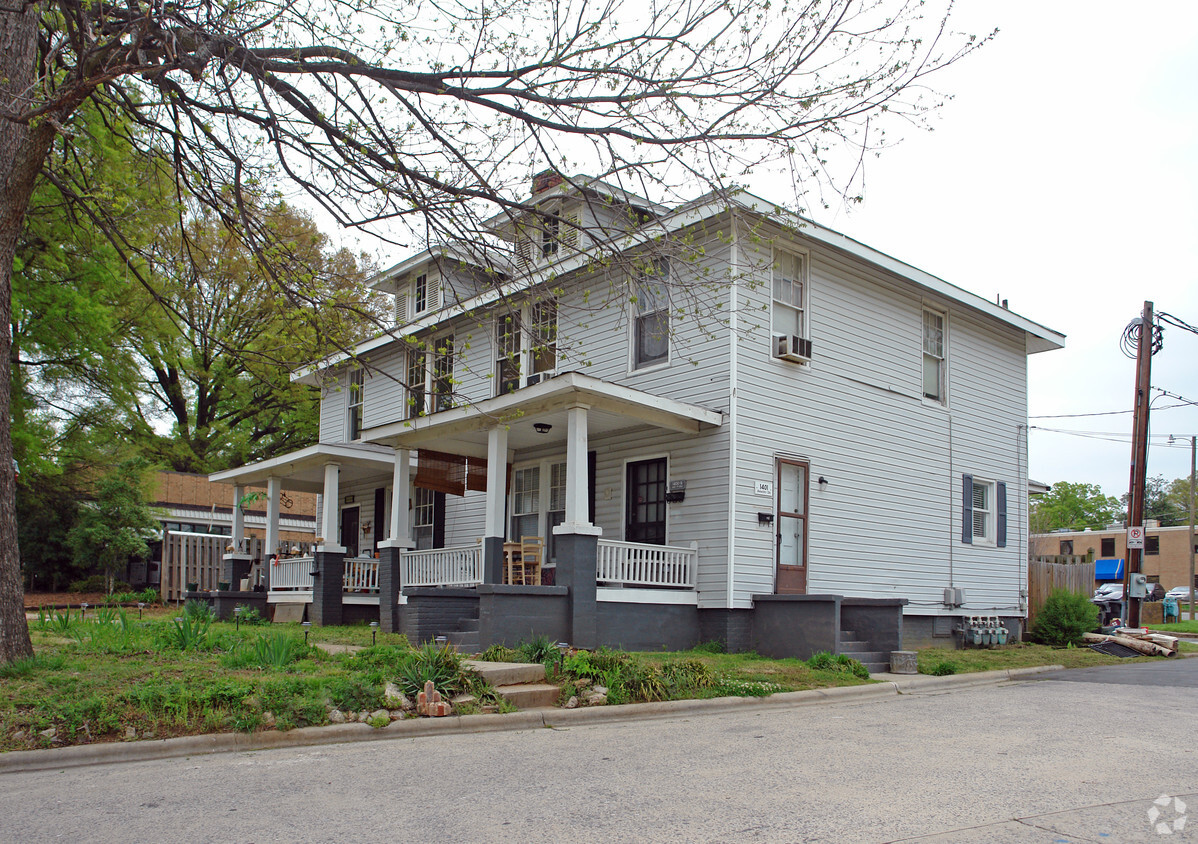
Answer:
(384, 281)
(1039, 337)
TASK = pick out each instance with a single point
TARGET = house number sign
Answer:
(763, 488)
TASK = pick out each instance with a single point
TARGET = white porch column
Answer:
(238, 520)
(496, 481)
(331, 517)
(274, 490)
(577, 518)
(401, 495)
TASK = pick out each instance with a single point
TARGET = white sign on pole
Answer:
(1135, 538)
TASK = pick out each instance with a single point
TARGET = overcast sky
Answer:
(1064, 177)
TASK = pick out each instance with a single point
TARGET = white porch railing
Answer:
(361, 574)
(461, 566)
(294, 574)
(640, 564)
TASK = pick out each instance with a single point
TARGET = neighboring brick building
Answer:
(190, 503)
(1166, 558)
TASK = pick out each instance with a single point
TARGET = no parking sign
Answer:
(1135, 538)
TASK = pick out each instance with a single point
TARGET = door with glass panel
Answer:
(646, 514)
(792, 528)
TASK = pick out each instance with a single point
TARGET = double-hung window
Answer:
(789, 288)
(984, 511)
(430, 376)
(357, 388)
(539, 501)
(526, 502)
(525, 346)
(933, 355)
(651, 332)
(417, 296)
(417, 372)
(423, 515)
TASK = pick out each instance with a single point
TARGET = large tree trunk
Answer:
(19, 166)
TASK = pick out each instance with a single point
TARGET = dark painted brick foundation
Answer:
(648, 627)
(510, 615)
(432, 612)
(731, 628)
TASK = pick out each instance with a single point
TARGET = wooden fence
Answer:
(1056, 571)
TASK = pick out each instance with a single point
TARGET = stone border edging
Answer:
(19, 761)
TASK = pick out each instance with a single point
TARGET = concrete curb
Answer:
(19, 761)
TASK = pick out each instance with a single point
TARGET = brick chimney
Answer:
(545, 180)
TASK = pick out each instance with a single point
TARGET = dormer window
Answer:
(416, 297)
(539, 240)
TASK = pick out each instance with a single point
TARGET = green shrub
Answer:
(821, 661)
(195, 608)
(251, 616)
(441, 665)
(190, 632)
(1063, 619)
(541, 649)
(942, 669)
(500, 653)
(712, 647)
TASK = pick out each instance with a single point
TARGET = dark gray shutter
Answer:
(591, 486)
(438, 520)
(967, 508)
(1000, 538)
(382, 524)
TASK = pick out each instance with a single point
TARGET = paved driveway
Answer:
(1177, 673)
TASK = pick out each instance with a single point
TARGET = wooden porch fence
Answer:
(1057, 571)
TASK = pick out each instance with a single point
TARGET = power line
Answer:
(1106, 412)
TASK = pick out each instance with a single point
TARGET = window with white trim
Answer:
(651, 329)
(933, 355)
(525, 346)
(430, 383)
(539, 501)
(526, 502)
(423, 516)
(789, 317)
(355, 395)
(983, 511)
(416, 297)
(540, 238)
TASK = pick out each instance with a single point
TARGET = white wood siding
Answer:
(889, 522)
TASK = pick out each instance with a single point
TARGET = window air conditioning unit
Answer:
(538, 377)
(792, 347)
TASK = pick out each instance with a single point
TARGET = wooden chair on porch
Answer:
(532, 554)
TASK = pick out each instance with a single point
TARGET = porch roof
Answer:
(611, 408)
(303, 470)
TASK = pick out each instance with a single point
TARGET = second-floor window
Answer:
(789, 289)
(416, 297)
(651, 331)
(933, 355)
(357, 384)
(525, 346)
(430, 381)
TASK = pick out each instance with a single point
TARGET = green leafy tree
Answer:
(424, 118)
(118, 525)
(1073, 506)
(1160, 503)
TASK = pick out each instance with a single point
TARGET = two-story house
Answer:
(721, 420)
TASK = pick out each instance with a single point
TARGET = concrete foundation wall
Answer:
(920, 631)
(796, 625)
(731, 628)
(878, 621)
(509, 615)
(648, 627)
(435, 612)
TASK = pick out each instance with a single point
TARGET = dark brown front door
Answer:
(349, 531)
(792, 528)
(646, 516)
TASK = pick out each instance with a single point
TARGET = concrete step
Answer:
(849, 645)
(869, 656)
(507, 673)
(877, 667)
(529, 695)
(465, 642)
(848, 634)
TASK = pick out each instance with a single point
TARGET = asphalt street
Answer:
(1065, 759)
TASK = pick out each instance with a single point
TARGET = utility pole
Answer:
(1139, 457)
(1193, 466)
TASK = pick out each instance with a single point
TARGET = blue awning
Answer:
(1110, 568)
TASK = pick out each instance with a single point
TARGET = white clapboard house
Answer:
(721, 421)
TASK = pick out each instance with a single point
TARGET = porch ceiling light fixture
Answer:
(541, 427)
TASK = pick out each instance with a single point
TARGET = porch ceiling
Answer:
(611, 408)
(303, 470)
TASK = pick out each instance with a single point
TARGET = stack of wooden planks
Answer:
(1139, 639)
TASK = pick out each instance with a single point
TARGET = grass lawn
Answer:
(778, 675)
(1022, 655)
(1178, 627)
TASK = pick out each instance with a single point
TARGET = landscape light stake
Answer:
(140, 605)
(83, 611)
(237, 619)
(374, 632)
(307, 624)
